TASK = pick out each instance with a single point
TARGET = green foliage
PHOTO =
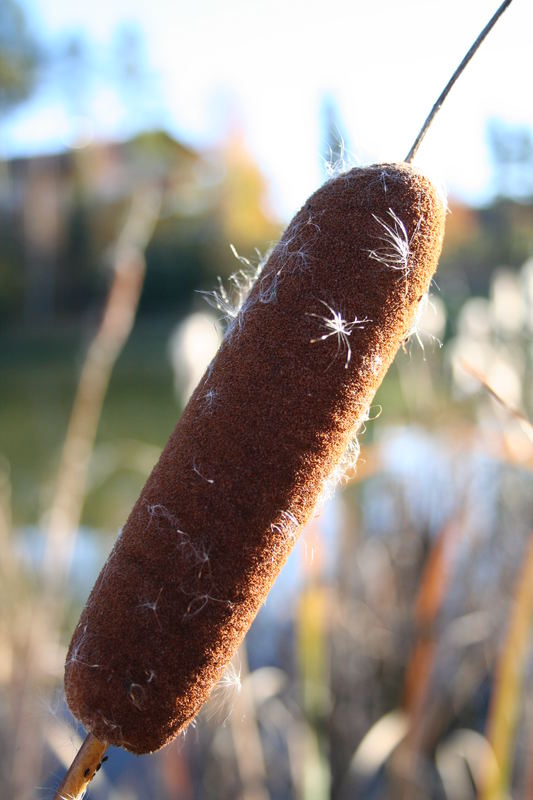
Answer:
(19, 55)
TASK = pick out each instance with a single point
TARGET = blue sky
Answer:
(266, 67)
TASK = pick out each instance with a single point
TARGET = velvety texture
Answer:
(247, 461)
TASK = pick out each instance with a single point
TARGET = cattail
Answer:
(249, 458)
(262, 435)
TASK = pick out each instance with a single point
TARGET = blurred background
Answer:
(139, 141)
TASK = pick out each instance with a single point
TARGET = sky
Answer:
(266, 67)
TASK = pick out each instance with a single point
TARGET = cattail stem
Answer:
(444, 94)
(82, 770)
(507, 693)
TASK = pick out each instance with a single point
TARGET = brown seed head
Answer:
(247, 461)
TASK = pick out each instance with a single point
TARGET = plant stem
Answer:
(117, 321)
(443, 95)
(508, 695)
(82, 770)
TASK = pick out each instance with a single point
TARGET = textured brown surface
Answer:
(244, 467)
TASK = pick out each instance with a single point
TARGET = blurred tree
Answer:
(73, 61)
(137, 85)
(243, 212)
(19, 55)
(129, 60)
(511, 148)
(478, 242)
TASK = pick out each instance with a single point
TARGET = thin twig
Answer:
(525, 423)
(117, 322)
(442, 97)
(82, 770)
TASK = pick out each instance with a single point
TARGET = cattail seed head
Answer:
(239, 476)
